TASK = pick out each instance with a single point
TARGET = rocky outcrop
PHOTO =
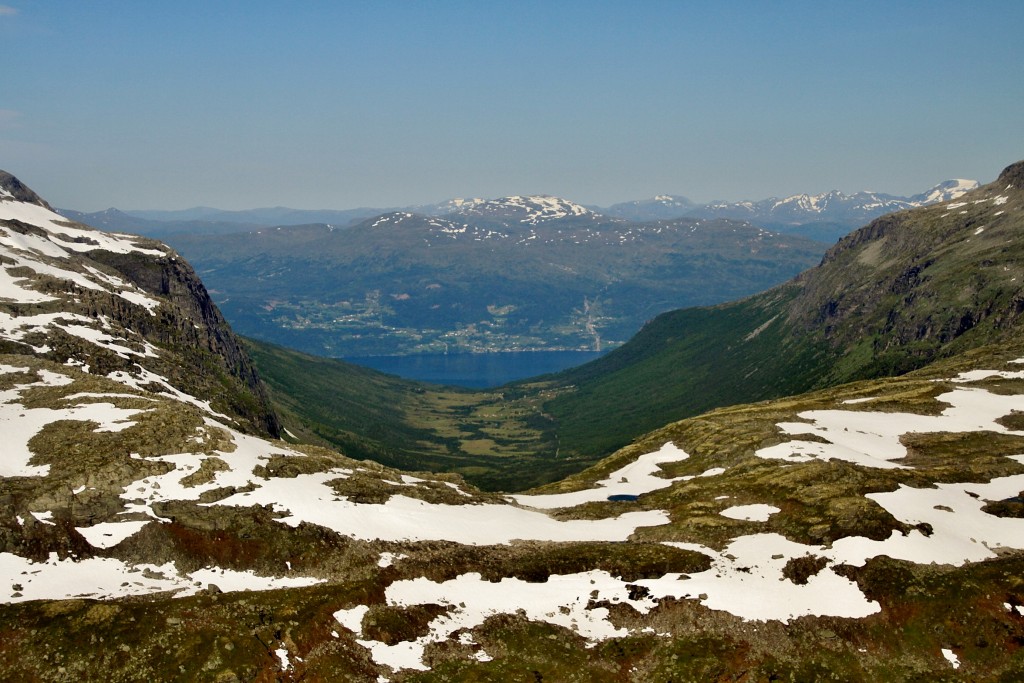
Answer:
(192, 325)
(1012, 175)
(19, 191)
(132, 305)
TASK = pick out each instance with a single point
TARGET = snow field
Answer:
(872, 439)
(105, 578)
(746, 580)
(109, 534)
(746, 577)
(309, 498)
(62, 233)
(561, 600)
(756, 512)
(636, 478)
(19, 424)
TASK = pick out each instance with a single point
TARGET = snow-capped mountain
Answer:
(846, 211)
(849, 210)
(446, 207)
(944, 192)
(531, 209)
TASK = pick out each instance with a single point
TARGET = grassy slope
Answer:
(682, 364)
(344, 404)
(532, 433)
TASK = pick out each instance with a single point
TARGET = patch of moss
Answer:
(394, 624)
(800, 569)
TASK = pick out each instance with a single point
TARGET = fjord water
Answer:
(476, 370)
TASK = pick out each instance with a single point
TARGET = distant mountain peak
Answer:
(391, 218)
(945, 191)
(661, 206)
(458, 204)
(532, 209)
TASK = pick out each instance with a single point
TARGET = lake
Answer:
(476, 370)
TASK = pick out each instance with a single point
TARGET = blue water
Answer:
(476, 370)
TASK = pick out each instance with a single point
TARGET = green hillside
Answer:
(893, 296)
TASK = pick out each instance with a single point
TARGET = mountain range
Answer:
(484, 275)
(796, 209)
(151, 528)
(811, 213)
(522, 273)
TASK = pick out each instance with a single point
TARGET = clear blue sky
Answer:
(241, 104)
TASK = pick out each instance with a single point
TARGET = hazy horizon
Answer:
(146, 209)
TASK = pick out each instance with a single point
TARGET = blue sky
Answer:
(343, 104)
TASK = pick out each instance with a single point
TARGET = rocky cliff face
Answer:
(118, 305)
(194, 328)
(14, 190)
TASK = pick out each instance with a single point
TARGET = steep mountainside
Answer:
(900, 292)
(869, 531)
(522, 273)
(118, 306)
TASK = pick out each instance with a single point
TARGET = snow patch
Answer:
(634, 479)
(352, 619)
(872, 439)
(20, 424)
(756, 512)
(108, 534)
(388, 559)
